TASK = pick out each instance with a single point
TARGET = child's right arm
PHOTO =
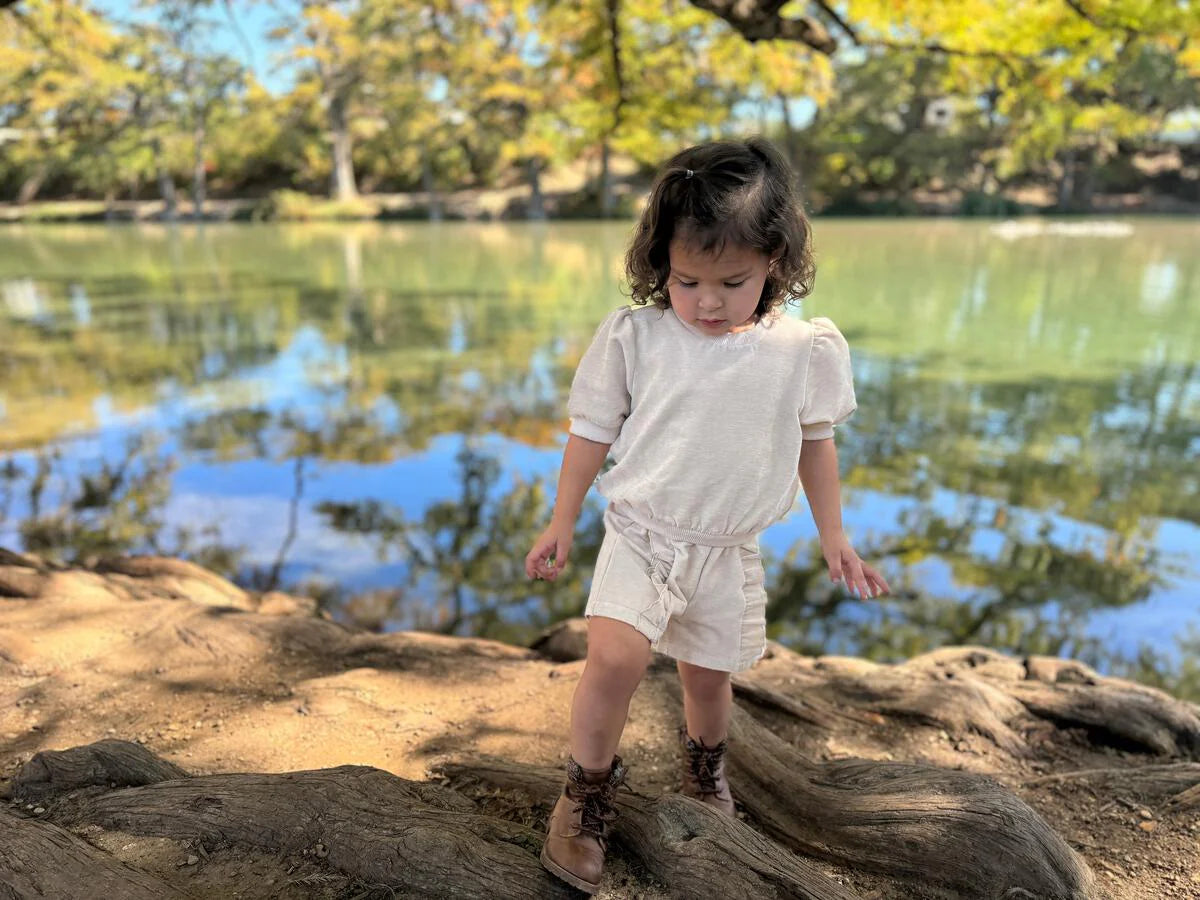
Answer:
(581, 463)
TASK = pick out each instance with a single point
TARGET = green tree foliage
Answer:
(66, 92)
(397, 95)
(1052, 89)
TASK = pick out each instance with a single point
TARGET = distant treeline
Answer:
(886, 106)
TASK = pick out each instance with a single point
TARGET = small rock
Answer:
(38, 810)
(192, 859)
(1145, 814)
(1147, 826)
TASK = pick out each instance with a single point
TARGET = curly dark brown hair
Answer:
(717, 193)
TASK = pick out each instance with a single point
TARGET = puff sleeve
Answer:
(600, 393)
(829, 385)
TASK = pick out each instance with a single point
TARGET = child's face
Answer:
(717, 294)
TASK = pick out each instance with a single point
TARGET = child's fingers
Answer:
(532, 561)
(561, 550)
(536, 558)
(854, 577)
(879, 583)
(537, 563)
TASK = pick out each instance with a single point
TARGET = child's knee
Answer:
(617, 652)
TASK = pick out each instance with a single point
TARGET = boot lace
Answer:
(597, 801)
(704, 764)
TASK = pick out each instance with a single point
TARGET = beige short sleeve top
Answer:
(706, 432)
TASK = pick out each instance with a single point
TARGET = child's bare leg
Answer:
(707, 702)
(616, 661)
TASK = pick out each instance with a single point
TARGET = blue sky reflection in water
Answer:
(1023, 461)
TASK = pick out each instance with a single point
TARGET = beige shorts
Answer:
(698, 603)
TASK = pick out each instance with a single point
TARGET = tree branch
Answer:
(612, 9)
(841, 23)
(1079, 9)
(760, 21)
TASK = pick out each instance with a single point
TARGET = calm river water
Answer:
(375, 414)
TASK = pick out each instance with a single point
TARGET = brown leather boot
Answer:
(704, 772)
(577, 835)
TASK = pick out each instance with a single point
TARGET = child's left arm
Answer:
(819, 476)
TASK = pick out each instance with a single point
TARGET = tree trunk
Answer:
(606, 195)
(343, 185)
(431, 192)
(199, 175)
(1066, 181)
(537, 206)
(33, 183)
(1085, 182)
(166, 184)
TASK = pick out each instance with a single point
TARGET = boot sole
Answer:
(569, 877)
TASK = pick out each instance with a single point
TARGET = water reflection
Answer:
(376, 414)
(465, 556)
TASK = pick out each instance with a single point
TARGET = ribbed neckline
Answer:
(733, 340)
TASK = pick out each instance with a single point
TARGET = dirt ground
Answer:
(219, 681)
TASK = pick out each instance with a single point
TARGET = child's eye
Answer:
(682, 283)
(730, 284)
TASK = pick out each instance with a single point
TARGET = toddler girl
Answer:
(715, 408)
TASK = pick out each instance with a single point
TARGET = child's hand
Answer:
(554, 543)
(861, 578)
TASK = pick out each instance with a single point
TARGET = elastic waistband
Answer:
(674, 533)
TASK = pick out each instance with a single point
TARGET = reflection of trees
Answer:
(465, 557)
(75, 513)
(1003, 599)
(1032, 595)
(1110, 451)
(1181, 678)
(400, 311)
